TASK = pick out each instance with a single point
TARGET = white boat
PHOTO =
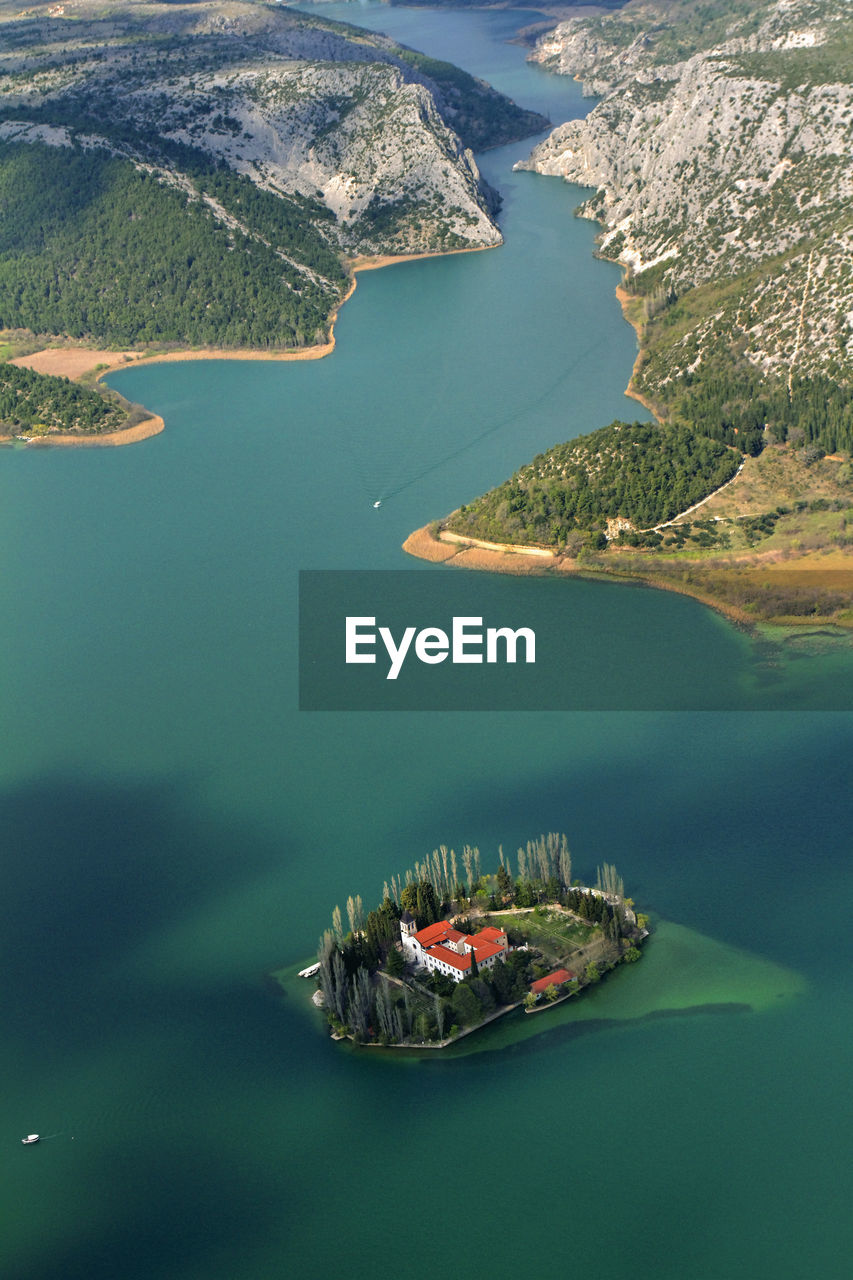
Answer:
(311, 971)
(378, 503)
(30, 1139)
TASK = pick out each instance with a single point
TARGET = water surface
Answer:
(174, 828)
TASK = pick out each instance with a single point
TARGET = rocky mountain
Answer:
(720, 154)
(229, 105)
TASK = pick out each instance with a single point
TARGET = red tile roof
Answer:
(483, 949)
(485, 944)
(556, 978)
(433, 933)
(453, 958)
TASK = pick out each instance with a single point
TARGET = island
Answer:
(718, 155)
(208, 177)
(451, 948)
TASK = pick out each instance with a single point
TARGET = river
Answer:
(174, 827)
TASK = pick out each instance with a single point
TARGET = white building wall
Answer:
(415, 954)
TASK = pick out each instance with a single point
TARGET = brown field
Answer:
(72, 362)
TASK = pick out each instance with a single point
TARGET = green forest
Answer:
(732, 401)
(640, 471)
(94, 248)
(370, 993)
(36, 403)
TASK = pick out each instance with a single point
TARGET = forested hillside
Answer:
(638, 472)
(93, 246)
(36, 404)
(732, 401)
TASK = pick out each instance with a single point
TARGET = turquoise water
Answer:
(174, 828)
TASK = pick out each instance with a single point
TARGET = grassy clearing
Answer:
(777, 476)
(797, 567)
(558, 935)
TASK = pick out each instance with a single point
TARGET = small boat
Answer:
(377, 503)
(30, 1139)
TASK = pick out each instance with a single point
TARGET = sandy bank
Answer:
(368, 263)
(471, 553)
(423, 545)
(625, 299)
(130, 435)
(78, 362)
(466, 555)
(506, 548)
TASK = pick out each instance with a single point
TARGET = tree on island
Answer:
(355, 913)
(360, 1003)
(466, 1006)
(382, 930)
(609, 881)
(427, 907)
(506, 888)
(385, 1014)
(440, 1009)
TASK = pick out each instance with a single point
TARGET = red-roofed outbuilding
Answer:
(555, 979)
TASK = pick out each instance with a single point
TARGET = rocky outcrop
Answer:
(720, 156)
(310, 109)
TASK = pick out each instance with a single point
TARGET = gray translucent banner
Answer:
(454, 640)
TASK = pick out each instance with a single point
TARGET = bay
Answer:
(174, 828)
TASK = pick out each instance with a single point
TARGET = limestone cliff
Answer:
(720, 155)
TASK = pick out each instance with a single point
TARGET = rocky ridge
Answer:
(306, 108)
(720, 157)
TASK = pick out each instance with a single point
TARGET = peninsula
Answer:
(206, 176)
(451, 947)
(720, 158)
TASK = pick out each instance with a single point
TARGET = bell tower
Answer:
(408, 926)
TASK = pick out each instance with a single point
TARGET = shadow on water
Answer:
(92, 872)
(168, 1147)
(545, 1041)
(157, 1226)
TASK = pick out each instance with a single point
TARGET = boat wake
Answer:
(410, 474)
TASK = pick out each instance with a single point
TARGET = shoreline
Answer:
(625, 299)
(471, 553)
(144, 430)
(70, 361)
(438, 545)
(467, 554)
